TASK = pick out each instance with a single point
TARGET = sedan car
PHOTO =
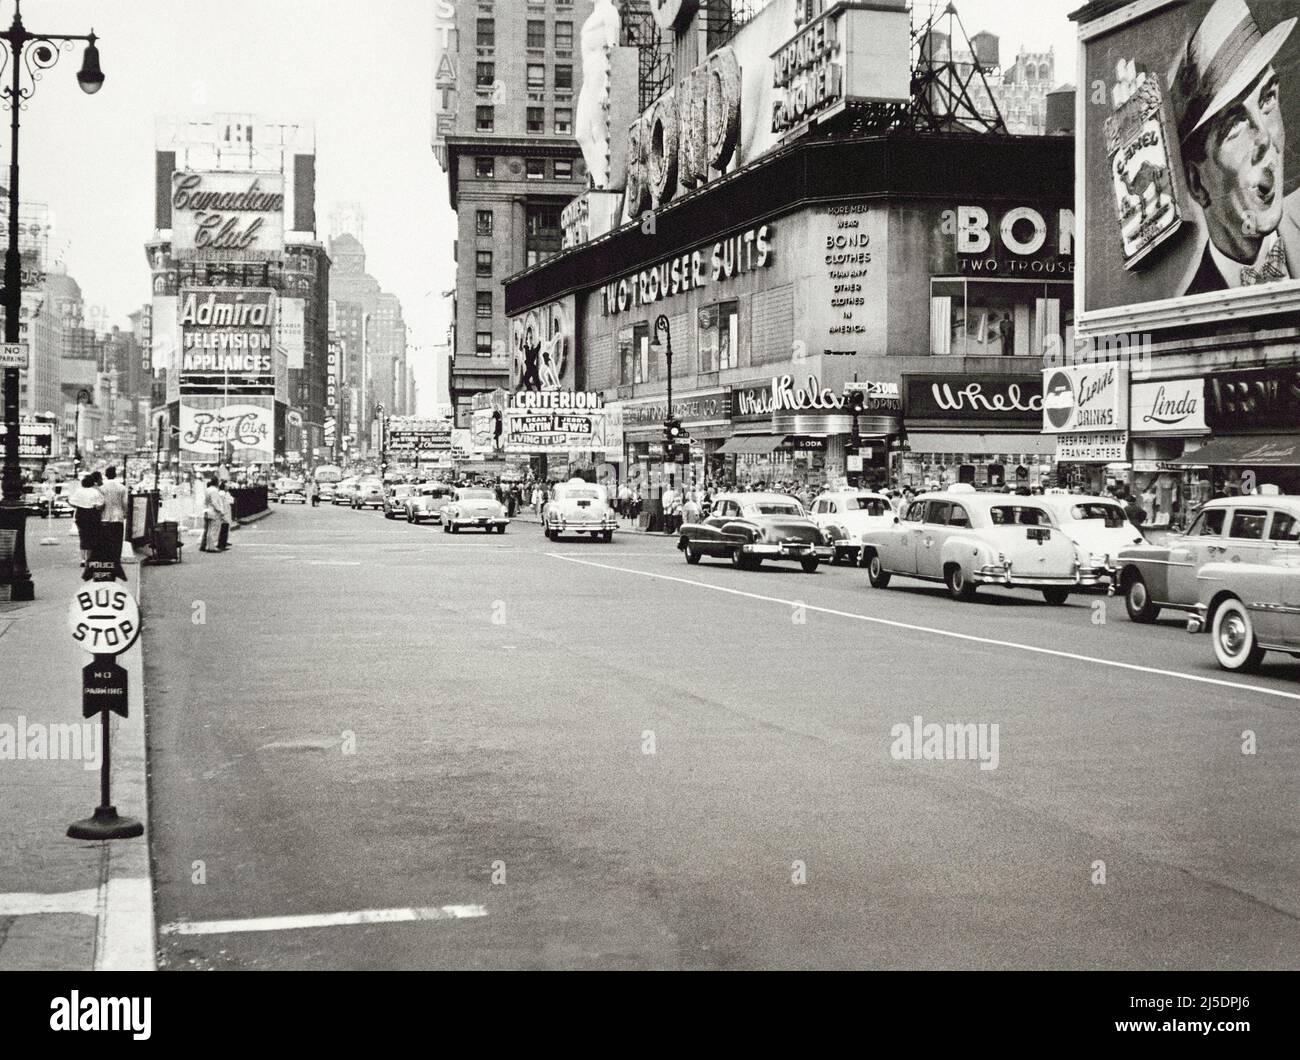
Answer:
(1098, 525)
(748, 528)
(968, 539)
(426, 501)
(1226, 530)
(1250, 608)
(290, 489)
(476, 508)
(343, 491)
(395, 499)
(368, 493)
(579, 507)
(846, 514)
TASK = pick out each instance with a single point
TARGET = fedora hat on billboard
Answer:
(1223, 57)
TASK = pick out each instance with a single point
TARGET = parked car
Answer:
(426, 502)
(395, 499)
(1226, 530)
(1098, 525)
(845, 514)
(1250, 608)
(579, 507)
(748, 528)
(343, 490)
(967, 539)
(368, 493)
(478, 508)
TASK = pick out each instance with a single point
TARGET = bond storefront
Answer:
(981, 429)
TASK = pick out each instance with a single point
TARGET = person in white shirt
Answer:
(227, 517)
(212, 505)
(114, 524)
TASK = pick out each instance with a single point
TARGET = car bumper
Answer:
(996, 574)
(477, 521)
(788, 550)
(563, 525)
(1198, 620)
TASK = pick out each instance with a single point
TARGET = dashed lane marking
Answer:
(952, 634)
(323, 920)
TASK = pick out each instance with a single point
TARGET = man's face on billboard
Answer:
(1240, 178)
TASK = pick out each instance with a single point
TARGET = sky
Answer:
(361, 72)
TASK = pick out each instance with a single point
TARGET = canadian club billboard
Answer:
(227, 216)
(226, 336)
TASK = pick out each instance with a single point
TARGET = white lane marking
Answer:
(22, 903)
(125, 937)
(333, 563)
(319, 920)
(940, 632)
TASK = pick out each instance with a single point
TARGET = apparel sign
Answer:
(729, 258)
(1176, 407)
(810, 71)
(957, 398)
(1242, 402)
(226, 331)
(713, 405)
(209, 424)
(1085, 398)
(227, 215)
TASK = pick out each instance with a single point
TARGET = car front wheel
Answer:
(960, 587)
(692, 557)
(1235, 645)
(1138, 603)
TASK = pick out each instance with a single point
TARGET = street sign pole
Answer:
(104, 618)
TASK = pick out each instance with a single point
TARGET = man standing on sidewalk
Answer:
(227, 516)
(212, 503)
(114, 518)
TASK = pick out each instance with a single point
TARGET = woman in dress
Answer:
(88, 512)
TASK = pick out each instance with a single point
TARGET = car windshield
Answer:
(1110, 514)
(477, 495)
(775, 508)
(870, 505)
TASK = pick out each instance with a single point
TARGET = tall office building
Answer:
(506, 82)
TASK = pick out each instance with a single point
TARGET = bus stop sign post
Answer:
(104, 618)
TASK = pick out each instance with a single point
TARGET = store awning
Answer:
(753, 443)
(1259, 450)
(979, 442)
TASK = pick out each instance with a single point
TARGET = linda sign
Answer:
(1175, 407)
(227, 214)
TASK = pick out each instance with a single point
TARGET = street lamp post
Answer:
(83, 398)
(666, 345)
(383, 443)
(42, 54)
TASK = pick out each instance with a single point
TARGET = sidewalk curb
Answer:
(124, 938)
(254, 518)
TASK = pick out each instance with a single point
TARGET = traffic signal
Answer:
(857, 402)
(674, 432)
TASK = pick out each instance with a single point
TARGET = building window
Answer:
(718, 341)
(537, 120)
(991, 318)
(536, 77)
(564, 36)
(483, 168)
(563, 169)
(634, 362)
(483, 221)
(535, 168)
(564, 78)
(483, 263)
(483, 344)
(536, 33)
(484, 118)
(563, 121)
(486, 36)
(483, 305)
(486, 75)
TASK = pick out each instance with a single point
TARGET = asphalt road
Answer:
(616, 760)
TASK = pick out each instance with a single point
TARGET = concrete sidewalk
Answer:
(66, 904)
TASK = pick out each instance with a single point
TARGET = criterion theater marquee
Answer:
(728, 259)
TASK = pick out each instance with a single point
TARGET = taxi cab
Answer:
(579, 507)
